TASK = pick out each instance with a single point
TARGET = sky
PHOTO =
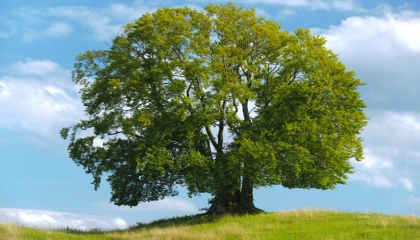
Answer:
(40, 186)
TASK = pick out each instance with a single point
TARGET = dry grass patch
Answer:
(11, 232)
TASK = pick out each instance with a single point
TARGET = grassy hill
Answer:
(302, 224)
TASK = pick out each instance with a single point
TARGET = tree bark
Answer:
(227, 192)
(231, 198)
(247, 197)
(224, 203)
(231, 201)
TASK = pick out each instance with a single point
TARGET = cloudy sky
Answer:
(40, 186)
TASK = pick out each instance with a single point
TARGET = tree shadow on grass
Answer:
(188, 220)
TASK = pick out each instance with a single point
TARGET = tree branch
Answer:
(221, 126)
(188, 90)
(294, 74)
(245, 111)
(211, 137)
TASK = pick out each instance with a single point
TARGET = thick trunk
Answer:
(227, 195)
(234, 202)
(247, 197)
(229, 205)
(232, 198)
(224, 204)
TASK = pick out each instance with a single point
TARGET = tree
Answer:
(219, 102)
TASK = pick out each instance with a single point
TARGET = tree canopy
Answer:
(218, 101)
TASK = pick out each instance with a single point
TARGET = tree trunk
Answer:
(224, 204)
(227, 197)
(234, 202)
(247, 197)
(231, 197)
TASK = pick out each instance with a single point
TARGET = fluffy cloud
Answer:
(38, 96)
(128, 13)
(105, 22)
(58, 29)
(391, 140)
(32, 24)
(395, 130)
(407, 184)
(100, 24)
(167, 204)
(374, 170)
(37, 68)
(384, 50)
(108, 21)
(284, 13)
(326, 5)
(262, 13)
(59, 220)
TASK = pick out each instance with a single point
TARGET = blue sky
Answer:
(41, 186)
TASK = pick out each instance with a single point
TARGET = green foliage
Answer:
(165, 94)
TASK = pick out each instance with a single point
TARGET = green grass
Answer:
(302, 224)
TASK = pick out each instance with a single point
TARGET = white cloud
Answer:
(373, 170)
(286, 13)
(390, 141)
(38, 23)
(101, 24)
(56, 29)
(394, 130)
(408, 185)
(104, 22)
(59, 29)
(393, 32)
(30, 24)
(384, 51)
(345, 5)
(327, 5)
(37, 68)
(59, 220)
(167, 204)
(128, 13)
(109, 21)
(262, 13)
(38, 96)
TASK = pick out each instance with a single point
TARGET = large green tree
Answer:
(219, 102)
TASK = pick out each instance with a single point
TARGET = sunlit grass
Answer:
(302, 224)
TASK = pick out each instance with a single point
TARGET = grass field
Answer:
(302, 224)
